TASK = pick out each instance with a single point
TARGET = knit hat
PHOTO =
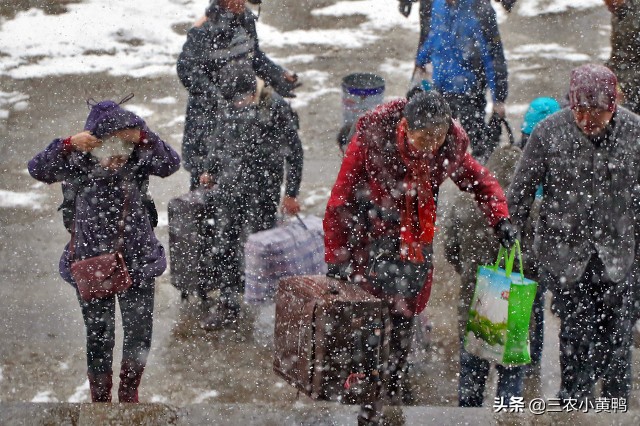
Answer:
(593, 86)
(539, 109)
(107, 117)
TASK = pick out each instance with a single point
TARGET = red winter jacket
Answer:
(372, 175)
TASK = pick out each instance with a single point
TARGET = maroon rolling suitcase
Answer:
(331, 339)
(186, 214)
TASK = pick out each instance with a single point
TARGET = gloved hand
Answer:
(338, 271)
(404, 7)
(507, 4)
(286, 84)
(506, 232)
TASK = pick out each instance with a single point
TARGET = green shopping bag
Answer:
(500, 311)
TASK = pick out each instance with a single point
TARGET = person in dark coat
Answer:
(227, 34)
(397, 159)
(587, 159)
(103, 162)
(625, 49)
(464, 55)
(252, 150)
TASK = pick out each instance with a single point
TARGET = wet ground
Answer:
(42, 349)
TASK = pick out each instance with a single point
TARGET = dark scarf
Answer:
(417, 219)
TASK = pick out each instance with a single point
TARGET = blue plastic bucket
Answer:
(361, 92)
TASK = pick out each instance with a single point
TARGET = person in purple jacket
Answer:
(100, 170)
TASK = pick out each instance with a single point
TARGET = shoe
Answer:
(130, 376)
(100, 386)
(223, 317)
(532, 370)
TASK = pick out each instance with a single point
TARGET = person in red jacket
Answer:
(380, 219)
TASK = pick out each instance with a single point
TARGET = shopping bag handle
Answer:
(510, 259)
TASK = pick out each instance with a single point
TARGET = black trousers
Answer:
(595, 334)
(136, 307)
(234, 214)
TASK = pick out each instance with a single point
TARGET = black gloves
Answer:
(506, 233)
(507, 4)
(404, 7)
(285, 87)
(338, 271)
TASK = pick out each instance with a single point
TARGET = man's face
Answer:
(592, 121)
(234, 6)
(429, 139)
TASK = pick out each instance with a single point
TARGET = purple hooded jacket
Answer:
(100, 201)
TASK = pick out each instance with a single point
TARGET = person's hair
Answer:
(344, 136)
(427, 109)
(237, 80)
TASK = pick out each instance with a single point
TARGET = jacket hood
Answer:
(107, 117)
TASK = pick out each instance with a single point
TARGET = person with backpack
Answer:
(253, 149)
(226, 34)
(463, 55)
(100, 170)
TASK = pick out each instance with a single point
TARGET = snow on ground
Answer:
(81, 394)
(541, 7)
(547, 51)
(394, 66)
(168, 100)
(175, 121)
(314, 87)
(122, 37)
(12, 101)
(140, 110)
(316, 196)
(297, 59)
(11, 199)
(163, 219)
(159, 399)
(517, 109)
(206, 395)
(44, 396)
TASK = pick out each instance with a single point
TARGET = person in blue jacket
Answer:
(463, 54)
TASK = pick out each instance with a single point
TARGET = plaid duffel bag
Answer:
(290, 249)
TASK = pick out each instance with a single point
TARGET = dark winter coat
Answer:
(591, 196)
(465, 49)
(100, 202)
(252, 146)
(625, 50)
(222, 39)
(372, 173)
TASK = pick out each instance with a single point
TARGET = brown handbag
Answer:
(101, 276)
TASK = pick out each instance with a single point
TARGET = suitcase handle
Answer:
(333, 290)
(301, 222)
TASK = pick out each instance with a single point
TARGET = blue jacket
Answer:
(465, 49)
